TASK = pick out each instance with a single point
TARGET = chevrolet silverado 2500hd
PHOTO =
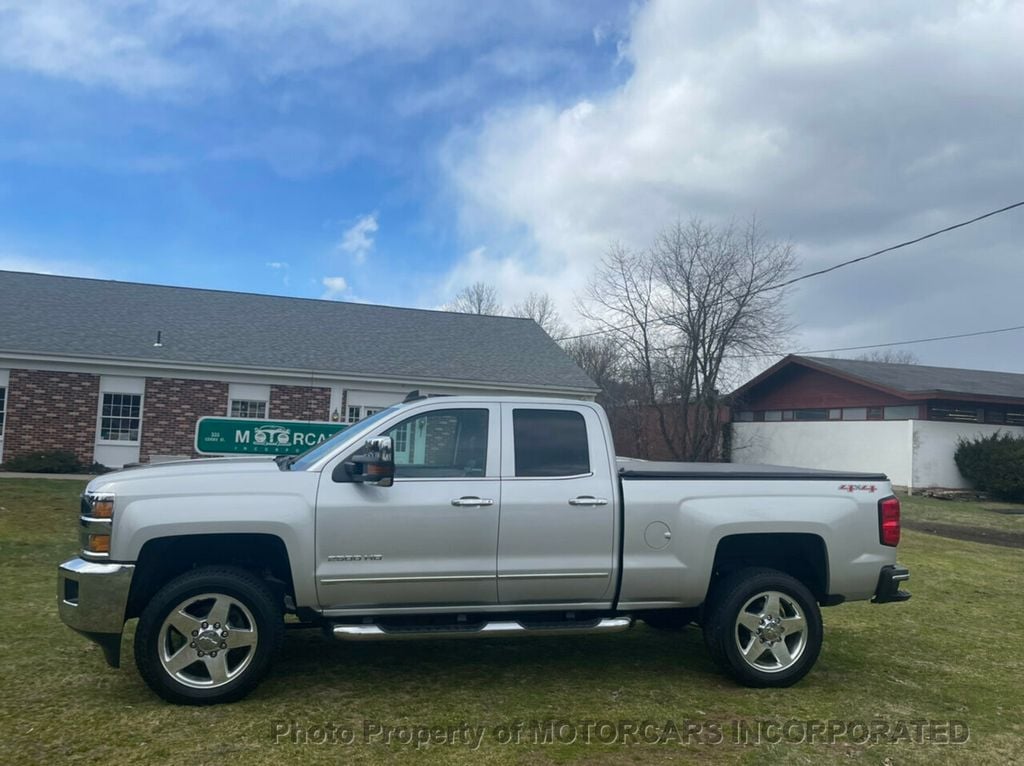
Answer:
(466, 517)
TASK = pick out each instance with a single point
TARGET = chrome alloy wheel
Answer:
(771, 632)
(207, 640)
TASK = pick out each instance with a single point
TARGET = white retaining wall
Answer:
(913, 453)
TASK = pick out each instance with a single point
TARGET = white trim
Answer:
(380, 400)
(251, 391)
(121, 385)
(5, 384)
(284, 376)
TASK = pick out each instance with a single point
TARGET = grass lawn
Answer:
(952, 653)
(987, 514)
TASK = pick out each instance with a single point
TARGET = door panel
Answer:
(431, 538)
(557, 533)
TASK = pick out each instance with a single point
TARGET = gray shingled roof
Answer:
(100, 319)
(921, 379)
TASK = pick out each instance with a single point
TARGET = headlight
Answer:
(97, 522)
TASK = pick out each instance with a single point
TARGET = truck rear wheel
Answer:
(763, 627)
(208, 636)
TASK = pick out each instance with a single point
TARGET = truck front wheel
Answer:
(763, 627)
(208, 636)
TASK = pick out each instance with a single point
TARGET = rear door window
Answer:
(550, 443)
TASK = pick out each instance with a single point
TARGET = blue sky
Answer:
(260, 155)
(396, 151)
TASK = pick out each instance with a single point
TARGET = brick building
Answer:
(120, 373)
(847, 414)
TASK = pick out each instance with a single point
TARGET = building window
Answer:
(248, 408)
(810, 414)
(875, 413)
(835, 414)
(120, 417)
(902, 412)
(787, 414)
(745, 416)
(3, 409)
(401, 438)
(1015, 417)
(772, 415)
(998, 417)
(957, 413)
(354, 414)
(855, 413)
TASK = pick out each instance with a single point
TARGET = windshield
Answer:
(306, 459)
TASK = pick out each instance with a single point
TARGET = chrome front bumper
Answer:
(92, 598)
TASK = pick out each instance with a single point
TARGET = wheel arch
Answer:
(802, 555)
(164, 558)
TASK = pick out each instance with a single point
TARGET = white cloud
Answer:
(844, 126)
(277, 265)
(334, 287)
(357, 240)
(85, 42)
(185, 47)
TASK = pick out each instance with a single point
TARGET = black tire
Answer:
(251, 633)
(745, 597)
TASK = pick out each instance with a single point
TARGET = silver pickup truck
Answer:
(469, 517)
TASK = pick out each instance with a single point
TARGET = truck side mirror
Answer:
(375, 466)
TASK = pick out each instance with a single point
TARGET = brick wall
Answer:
(170, 411)
(51, 411)
(300, 403)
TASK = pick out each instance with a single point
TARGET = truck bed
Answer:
(630, 469)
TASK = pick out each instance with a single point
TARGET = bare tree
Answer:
(541, 309)
(601, 357)
(890, 356)
(477, 298)
(682, 310)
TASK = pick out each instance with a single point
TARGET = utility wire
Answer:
(830, 269)
(894, 247)
(881, 345)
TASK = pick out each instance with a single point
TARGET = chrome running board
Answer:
(497, 629)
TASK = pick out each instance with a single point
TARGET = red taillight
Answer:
(889, 521)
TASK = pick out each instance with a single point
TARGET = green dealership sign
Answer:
(221, 436)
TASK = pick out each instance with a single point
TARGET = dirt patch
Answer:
(970, 534)
(1012, 511)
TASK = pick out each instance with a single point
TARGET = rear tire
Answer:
(208, 636)
(763, 627)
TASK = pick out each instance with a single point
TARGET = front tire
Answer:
(208, 636)
(763, 627)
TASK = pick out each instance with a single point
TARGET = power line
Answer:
(828, 270)
(894, 247)
(882, 345)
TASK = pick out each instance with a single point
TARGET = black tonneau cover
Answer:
(643, 469)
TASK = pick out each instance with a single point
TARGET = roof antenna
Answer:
(159, 343)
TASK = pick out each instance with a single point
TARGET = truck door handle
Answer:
(588, 500)
(471, 502)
